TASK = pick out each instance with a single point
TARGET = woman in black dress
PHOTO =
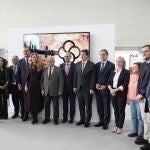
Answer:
(32, 87)
(4, 91)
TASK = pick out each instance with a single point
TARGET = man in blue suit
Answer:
(21, 79)
(103, 69)
(143, 95)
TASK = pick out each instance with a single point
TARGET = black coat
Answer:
(68, 79)
(103, 76)
(143, 81)
(123, 80)
(87, 79)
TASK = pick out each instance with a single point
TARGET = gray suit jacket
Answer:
(54, 84)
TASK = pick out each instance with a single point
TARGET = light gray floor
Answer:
(16, 135)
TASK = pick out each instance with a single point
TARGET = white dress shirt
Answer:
(116, 78)
(52, 68)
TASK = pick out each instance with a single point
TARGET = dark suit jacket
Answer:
(103, 76)
(11, 77)
(21, 71)
(144, 78)
(122, 81)
(87, 79)
(143, 81)
(68, 79)
(11, 73)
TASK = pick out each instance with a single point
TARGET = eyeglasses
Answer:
(146, 51)
(67, 56)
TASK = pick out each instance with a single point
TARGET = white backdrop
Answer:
(101, 36)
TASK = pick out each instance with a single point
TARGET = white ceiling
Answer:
(132, 17)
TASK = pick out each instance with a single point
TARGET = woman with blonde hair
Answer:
(118, 86)
(34, 101)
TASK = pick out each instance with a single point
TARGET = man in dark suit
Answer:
(21, 79)
(68, 70)
(103, 70)
(52, 83)
(85, 86)
(14, 87)
(143, 96)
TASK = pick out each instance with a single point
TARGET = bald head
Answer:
(51, 61)
(15, 59)
(67, 57)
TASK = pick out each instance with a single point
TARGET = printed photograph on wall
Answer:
(56, 44)
(3, 53)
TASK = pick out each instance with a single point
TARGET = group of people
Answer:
(33, 88)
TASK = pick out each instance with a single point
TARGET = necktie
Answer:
(67, 67)
(102, 66)
(27, 61)
(83, 65)
(14, 73)
(49, 73)
(146, 66)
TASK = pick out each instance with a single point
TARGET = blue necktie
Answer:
(102, 66)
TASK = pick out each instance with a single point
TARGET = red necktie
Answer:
(67, 67)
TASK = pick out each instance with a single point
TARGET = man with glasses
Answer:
(14, 87)
(144, 97)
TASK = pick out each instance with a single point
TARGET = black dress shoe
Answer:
(87, 124)
(22, 116)
(35, 121)
(6, 117)
(71, 121)
(25, 118)
(45, 121)
(145, 147)
(55, 122)
(105, 127)
(140, 140)
(15, 116)
(64, 120)
(132, 135)
(100, 124)
(80, 123)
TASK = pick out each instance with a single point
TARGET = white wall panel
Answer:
(131, 17)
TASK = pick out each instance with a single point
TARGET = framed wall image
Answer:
(3, 53)
(57, 44)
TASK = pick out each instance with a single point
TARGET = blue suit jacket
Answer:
(21, 71)
(143, 83)
(143, 79)
(103, 76)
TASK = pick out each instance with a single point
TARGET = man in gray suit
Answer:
(85, 86)
(52, 87)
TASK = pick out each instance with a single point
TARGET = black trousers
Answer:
(3, 105)
(16, 99)
(47, 104)
(22, 110)
(103, 106)
(85, 105)
(119, 105)
(68, 97)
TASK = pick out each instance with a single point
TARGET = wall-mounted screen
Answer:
(57, 44)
